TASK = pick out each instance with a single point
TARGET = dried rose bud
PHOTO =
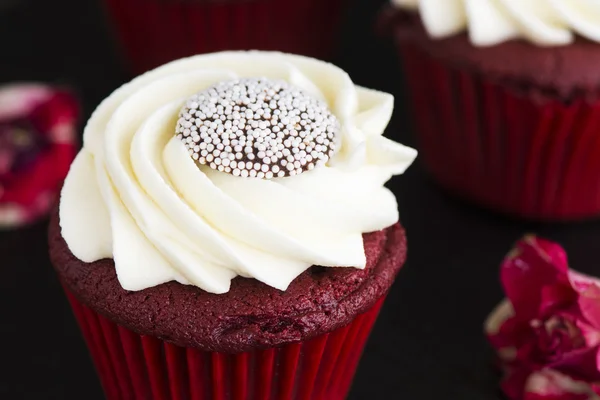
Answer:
(37, 145)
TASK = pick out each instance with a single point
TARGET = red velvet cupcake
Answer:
(225, 235)
(505, 101)
(153, 32)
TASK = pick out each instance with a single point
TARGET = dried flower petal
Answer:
(532, 265)
(547, 331)
(37, 145)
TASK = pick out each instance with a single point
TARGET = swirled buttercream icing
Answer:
(489, 22)
(250, 164)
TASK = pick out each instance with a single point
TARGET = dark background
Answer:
(427, 344)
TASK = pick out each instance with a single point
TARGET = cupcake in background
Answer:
(153, 32)
(225, 232)
(505, 100)
(37, 145)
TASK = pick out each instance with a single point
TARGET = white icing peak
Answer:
(134, 193)
(489, 22)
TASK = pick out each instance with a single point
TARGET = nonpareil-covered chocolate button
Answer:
(256, 127)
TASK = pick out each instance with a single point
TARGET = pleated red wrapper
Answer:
(133, 366)
(517, 153)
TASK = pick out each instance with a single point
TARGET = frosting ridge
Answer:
(489, 22)
(135, 194)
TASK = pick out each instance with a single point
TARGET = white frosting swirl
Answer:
(135, 194)
(489, 22)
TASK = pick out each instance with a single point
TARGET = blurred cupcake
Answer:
(197, 226)
(37, 145)
(153, 32)
(505, 97)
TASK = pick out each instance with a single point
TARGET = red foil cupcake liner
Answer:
(515, 151)
(133, 366)
(153, 32)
